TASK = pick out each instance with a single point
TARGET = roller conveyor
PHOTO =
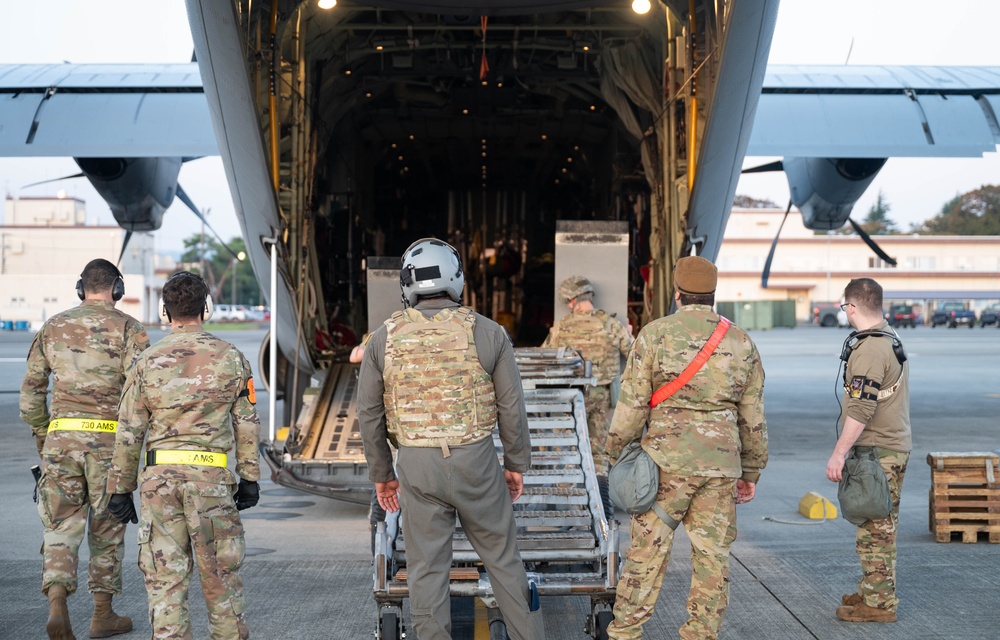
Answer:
(565, 540)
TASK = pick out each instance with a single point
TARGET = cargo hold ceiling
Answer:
(522, 97)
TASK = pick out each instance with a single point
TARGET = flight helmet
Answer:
(431, 266)
(574, 287)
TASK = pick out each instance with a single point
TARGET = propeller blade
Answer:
(182, 194)
(128, 236)
(871, 243)
(777, 165)
(770, 254)
(35, 184)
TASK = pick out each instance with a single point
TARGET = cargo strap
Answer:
(177, 456)
(706, 352)
(84, 424)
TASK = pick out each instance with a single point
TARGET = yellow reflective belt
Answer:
(84, 424)
(178, 456)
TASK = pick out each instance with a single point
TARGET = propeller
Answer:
(777, 165)
(871, 243)
(35, 184)
(774, 245)
(190, 205)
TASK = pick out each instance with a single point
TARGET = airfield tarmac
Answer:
(308, 567)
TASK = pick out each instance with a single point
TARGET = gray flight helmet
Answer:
(431, 266)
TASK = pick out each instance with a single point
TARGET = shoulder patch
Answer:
(249, 393)
(857, 384)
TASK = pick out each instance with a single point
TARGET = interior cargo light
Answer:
(326, 4)
(641, 6)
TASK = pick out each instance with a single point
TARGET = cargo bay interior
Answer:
(483, 130)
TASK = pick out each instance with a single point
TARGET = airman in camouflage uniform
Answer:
(180, 397)
(875, 413)
(87, 351)
(436, 379)
(600, 338)
(709, 440)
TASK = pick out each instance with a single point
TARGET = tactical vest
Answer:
(436, 392)
(588, 332)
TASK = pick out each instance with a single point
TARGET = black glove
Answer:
(121, 506)
(247, 495)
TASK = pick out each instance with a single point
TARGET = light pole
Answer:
(240, 257)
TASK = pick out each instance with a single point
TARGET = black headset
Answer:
(206, 313)
(117, 289)
(855, 338)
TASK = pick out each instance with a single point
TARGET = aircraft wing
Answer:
(148, 110)
(877, 112)
(90, 110)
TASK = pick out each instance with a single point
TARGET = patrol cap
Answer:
(694, 275)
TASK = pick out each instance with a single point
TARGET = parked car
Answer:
(230, 313)
(990, 315)
(828, 314)
(901, 315)
(953, 314)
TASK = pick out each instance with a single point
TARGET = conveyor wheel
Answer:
(604, 619)
(498, 630)
(389, 626)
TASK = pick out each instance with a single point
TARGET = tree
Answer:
(877, 222)
(748, 202)
(974, 213)
(213, 262)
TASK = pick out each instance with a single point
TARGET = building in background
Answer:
(44, 245)
(810, 268)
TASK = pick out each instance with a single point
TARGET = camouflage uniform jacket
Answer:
(713, 426)
(496, 357)
(435, 389)
(181, 394)
(873, 368)
(597, 335)
(88, 351)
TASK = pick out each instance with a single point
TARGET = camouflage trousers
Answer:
(876, 540)
(707, 508)
(597, 402)
(71, 503)
(180, 521)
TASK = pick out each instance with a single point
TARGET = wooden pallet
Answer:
(964, 496)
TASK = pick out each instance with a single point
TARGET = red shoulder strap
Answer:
(706, 352)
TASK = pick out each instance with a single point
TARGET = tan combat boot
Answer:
(864, 613)
(107, 623)
(851, 599)
(58, 626)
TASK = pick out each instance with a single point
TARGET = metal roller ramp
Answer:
(323, 453)
(566, 542)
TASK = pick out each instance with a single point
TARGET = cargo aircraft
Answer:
(349, 129)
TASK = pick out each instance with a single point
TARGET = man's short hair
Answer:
(866, 294)
(99, 275)
(700, 298)
(184, 295)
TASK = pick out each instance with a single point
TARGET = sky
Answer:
(889, 32)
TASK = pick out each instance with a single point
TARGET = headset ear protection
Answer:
(206, 313)
(851, 343)
(117, 289)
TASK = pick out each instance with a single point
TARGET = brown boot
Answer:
(58, 626)
(107, 623)
(851, 599)
(864, 613)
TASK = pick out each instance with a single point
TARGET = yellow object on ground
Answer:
(816, 507)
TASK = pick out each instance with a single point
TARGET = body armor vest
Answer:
(436, 392)
(588, 332)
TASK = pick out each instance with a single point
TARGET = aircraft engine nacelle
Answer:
(138, 190)
(825, 189)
